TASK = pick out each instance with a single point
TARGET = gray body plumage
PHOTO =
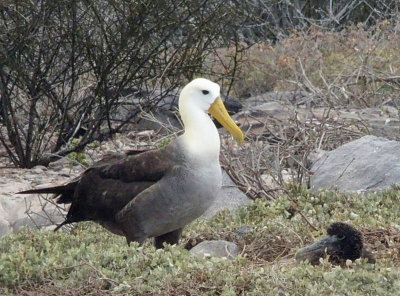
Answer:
(141, 195)
(176, 200)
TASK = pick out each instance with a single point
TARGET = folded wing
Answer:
(109, 185)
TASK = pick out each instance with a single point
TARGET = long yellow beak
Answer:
(218, 111)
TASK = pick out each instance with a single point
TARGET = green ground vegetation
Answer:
(91, 261)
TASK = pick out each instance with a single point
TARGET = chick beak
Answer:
(317, 250)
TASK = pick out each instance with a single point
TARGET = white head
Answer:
(200, 93)
(197, 98)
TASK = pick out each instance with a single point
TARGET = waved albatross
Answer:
(157, 192)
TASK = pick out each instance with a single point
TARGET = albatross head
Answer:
(202, 96)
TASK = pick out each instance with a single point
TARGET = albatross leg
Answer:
(133, 234)
(169, 238)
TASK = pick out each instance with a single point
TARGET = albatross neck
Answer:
(201, 138)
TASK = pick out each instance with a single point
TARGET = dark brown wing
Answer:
(109, 184)
(147, 166)
(106, 187)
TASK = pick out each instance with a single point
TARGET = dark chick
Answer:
(342, 242)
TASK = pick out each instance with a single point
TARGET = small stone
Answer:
(38, 169)
(216, 248)
(66, 172)
(30, 177)
(58, 165)
(243, 230)
(145, 134)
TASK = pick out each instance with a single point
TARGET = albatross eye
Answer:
(205, 92)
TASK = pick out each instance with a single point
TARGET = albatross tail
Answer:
(64, 192)
(55, 190)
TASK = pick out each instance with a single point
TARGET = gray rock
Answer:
(38, 169)
(367, 164)
(243, 230)
(230, 198)
(216, 248)
(382, 121)
(66, 172)
(160, 120)
(30, 176)
(267, 113)
(12, 207)
(266, 110)
(39, 219)
(17, 211)
(59, 164)
(4, 227)
(313, 156)
(233, 105)
(265, 120)
(295, 97)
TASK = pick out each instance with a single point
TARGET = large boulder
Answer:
(230, 198)
(364, 165)
(18, 210)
